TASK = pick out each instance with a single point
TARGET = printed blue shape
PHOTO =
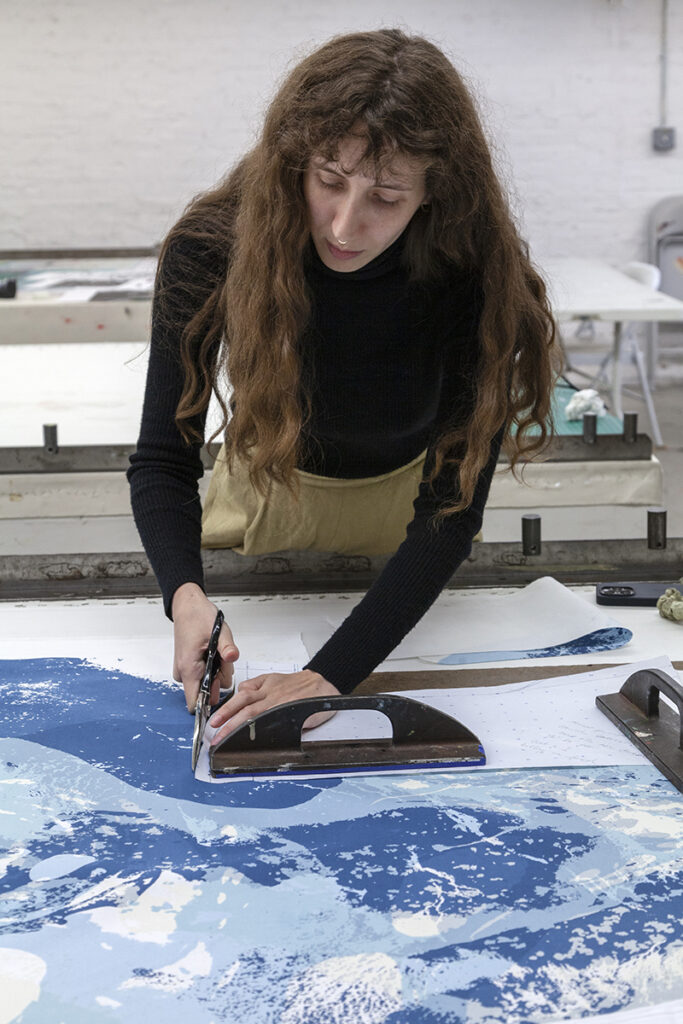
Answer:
(134, 728)
(505, 896)
(606, 639)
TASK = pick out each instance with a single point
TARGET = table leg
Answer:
(652, 353)
(639, 360)
(616, 371)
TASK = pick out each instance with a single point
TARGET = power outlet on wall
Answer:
(663, 138)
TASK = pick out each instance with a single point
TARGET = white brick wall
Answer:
(115, 112)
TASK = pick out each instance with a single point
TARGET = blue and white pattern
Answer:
(130, 892)
(599, 640)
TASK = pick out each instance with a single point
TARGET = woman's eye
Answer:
(386, 202)
(330, 184)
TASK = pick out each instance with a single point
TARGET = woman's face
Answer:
(353, 216)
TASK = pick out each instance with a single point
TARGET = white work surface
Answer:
(134, 636)
(44, 312)
(595, 290)
(274, 623)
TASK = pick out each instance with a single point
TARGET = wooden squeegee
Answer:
(271, 743)
(654, 727)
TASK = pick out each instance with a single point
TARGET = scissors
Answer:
(202, 708)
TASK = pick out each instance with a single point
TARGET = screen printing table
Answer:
(515, 896)
(100, 296)
(84, 369)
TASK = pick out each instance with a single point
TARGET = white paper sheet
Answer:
(269, 652)
(546, 722)
(537, 724)
(476, 627)
(152, 656)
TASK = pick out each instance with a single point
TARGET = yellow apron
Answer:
(366, 516)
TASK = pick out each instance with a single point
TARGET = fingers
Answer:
(247, 710)
(253, 707)
(245, 696)
(267, 691)
(252, 685)
(228, 654)
(249, 690)
(191, 689)
(227, 648)
(191, 674)
(317, 719)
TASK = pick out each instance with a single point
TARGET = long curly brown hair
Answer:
(404, 96)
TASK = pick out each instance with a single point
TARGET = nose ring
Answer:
(339, 242)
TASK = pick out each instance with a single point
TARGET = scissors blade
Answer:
(201, 717)
(203, 706)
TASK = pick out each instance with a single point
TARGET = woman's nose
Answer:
(346, 221)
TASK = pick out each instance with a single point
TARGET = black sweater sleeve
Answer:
(165, 470)
(409, 584)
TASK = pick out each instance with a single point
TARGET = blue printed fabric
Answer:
(131, 893)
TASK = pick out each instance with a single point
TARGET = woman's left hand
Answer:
(267, 691)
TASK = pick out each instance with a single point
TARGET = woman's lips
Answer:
(342, 254)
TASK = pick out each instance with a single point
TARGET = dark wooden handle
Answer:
(643, 689)
(411, 722)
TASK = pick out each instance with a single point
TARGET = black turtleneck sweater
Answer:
(389, 365)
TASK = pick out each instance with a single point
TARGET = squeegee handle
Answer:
(411, 722)
(643, 689)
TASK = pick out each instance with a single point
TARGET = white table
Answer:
(590, 289)
(50, 313)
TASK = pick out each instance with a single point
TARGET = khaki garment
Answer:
(367, 516)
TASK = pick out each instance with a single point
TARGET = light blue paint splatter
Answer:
(512, 897)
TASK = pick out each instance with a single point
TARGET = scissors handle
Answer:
(202, 705)
(212, 659)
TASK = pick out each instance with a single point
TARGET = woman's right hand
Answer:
(193, 619)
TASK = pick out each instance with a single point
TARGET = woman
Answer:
(359, 282)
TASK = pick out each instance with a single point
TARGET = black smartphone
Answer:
(633, 593)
